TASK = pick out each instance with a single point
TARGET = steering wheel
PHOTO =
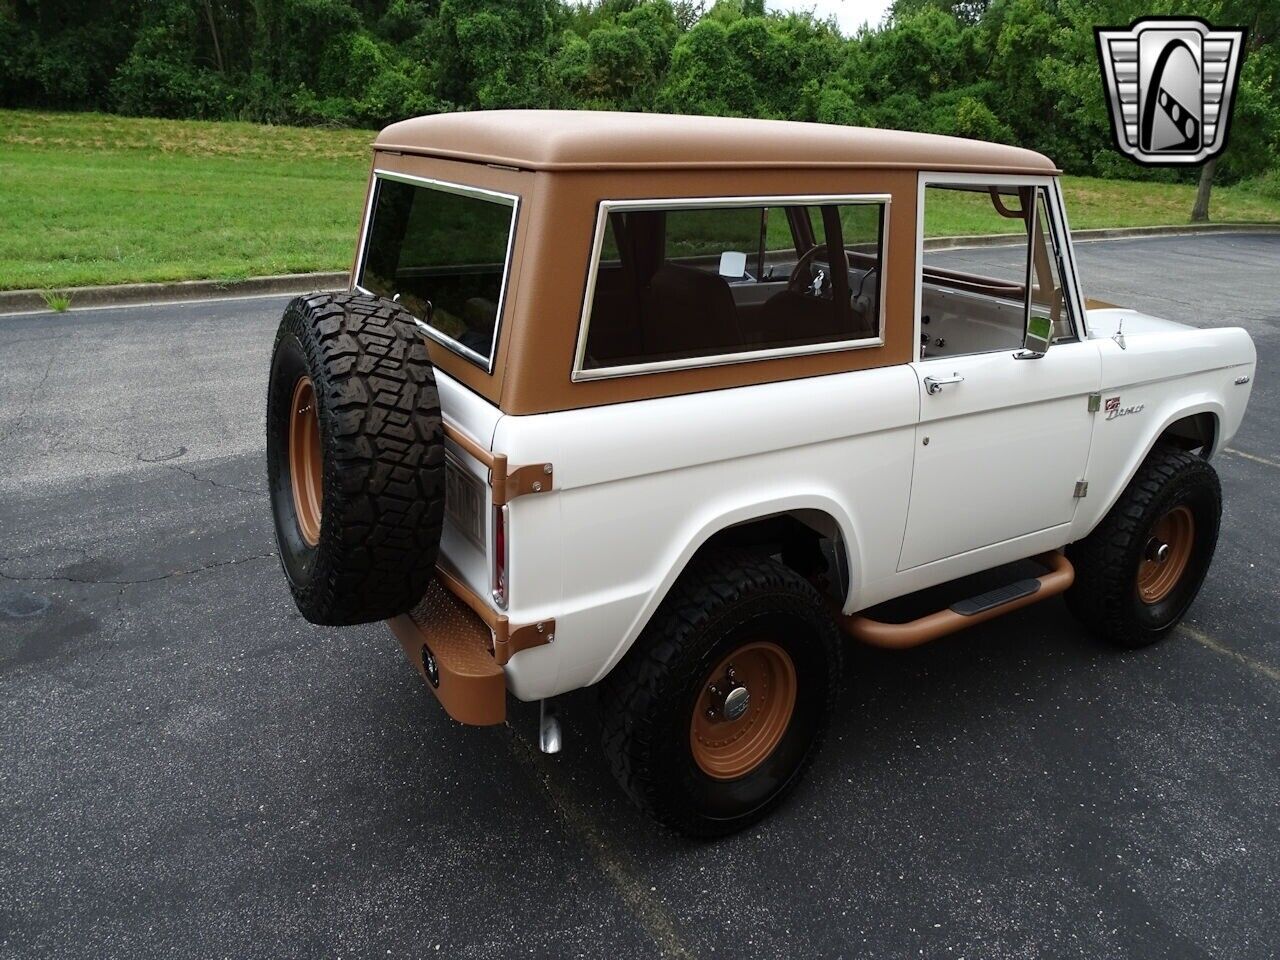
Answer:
(801, 279)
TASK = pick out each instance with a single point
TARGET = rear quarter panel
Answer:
(639, 487)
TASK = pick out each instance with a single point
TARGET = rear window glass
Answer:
(701, 284)
(442, 252)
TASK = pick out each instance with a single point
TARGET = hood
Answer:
(1104, 323)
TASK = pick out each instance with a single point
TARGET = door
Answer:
(1004, 432)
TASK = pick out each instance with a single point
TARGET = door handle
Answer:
(935, 384)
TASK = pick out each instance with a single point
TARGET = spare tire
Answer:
(355, 458)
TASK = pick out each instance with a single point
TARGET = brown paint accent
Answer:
(472, 687)
(523, 638)
(1157, 578)
(577, 140)
(540, 345)
(470, 643)
(533, 478)
(306, 460)
(505, 640)
(897, 636)
(729, 749)
(974, 283)
(468, 443)
(569, 165)
(506, 482)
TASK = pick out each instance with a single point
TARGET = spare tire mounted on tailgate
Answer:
(355, 458)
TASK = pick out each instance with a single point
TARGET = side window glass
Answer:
(979, 251)
(1048, 294)
(442, 252)
(973, 296)
(708, 282)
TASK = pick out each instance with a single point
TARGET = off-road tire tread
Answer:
(629, 695)
(383, 457)
(1102, 595)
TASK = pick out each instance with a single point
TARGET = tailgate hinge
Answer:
(1082, 489)
(507, 643)
(1095, 402)
(508, 484)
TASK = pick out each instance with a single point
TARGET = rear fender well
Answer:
(815, 511)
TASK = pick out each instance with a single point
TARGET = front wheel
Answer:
(1139, 570)
(712, 717)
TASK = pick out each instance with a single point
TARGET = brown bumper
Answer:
(458, 644)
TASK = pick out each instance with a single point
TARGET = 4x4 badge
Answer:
(1170, 82)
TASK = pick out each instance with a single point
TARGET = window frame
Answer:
(1058, 234)
(605, 207)
(463, 190)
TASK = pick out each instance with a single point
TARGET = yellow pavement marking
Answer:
(617, 865)
(1257, 666)
(1251, 456)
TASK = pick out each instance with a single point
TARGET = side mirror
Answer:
(733, 265)
(1038, 337)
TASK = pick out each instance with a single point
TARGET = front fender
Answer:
(1123, 438)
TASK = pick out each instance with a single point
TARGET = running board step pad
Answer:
(996, 598)
(1058, 576)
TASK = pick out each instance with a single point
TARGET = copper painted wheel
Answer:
(1167, 553)
(306, 463)
(732, 732)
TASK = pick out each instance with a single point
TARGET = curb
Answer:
(1106, 233)
(135, 294)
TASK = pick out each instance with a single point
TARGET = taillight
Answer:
(500, 555)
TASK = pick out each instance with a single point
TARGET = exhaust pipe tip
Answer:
(548, 727)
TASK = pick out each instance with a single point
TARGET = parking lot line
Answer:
(1257, 666)
(614, 863)
(1250, 456)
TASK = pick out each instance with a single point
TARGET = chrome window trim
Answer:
(463, 190)
(1068, 254)
(742, 356)
(1052, 186)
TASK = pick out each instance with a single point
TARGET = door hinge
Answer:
(1095, 402)
(1082, 489)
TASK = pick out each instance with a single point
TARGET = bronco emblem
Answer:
(1170, 82)
(1114, 409)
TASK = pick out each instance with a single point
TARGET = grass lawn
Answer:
(93, 199)
(99, 199)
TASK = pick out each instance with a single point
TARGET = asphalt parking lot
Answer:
(189, 769)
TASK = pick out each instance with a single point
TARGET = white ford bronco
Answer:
(673, 405)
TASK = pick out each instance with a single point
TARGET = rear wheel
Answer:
(1140, 569)
(355, 458)
(713, 715)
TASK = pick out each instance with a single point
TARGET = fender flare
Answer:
(1205, 404)
(704, 526)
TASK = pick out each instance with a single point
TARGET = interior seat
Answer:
(688, 312)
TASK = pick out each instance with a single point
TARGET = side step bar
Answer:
(965, 613)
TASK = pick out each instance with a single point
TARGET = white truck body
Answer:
(918, 488)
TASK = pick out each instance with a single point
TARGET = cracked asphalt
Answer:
(189, 769)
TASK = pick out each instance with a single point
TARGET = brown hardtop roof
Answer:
(598, 140)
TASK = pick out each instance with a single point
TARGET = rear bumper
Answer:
(459, 644)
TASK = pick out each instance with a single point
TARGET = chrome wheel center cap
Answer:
(736, 703)
(1157, 550)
